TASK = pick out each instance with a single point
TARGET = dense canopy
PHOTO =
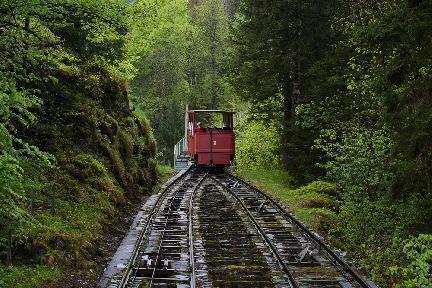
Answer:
(326, 93)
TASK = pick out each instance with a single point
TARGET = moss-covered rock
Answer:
(105, 161)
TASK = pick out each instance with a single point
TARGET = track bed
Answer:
(233, 254)
(207, 230)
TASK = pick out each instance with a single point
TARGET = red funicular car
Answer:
(210, 137)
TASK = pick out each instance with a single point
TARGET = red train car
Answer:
(211, 139)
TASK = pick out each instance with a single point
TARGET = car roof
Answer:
(210, 111)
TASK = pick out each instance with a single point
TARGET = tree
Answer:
(211, 44)
(183, 55)
(51, 53)
(363, 106)
(279, 42)
(160, 43)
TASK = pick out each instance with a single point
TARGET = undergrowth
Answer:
(314, 204)
(402, 262)
(28, 277)
(104, 164)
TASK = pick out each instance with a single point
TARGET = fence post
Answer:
(175, 157)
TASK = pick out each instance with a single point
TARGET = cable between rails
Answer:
(261, 232)
(191, 246)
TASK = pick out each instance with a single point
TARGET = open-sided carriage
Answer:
(210, 137)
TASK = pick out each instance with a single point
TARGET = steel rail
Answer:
(278, 258)
(162, 196)
(309, 234)
(191, 246)
(162, 237)
(163, 234)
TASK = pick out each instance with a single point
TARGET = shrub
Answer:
(418, 253)
(17, 277)
(258, 146)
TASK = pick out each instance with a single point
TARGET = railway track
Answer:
(218, 231)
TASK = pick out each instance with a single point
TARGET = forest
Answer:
(333, 109)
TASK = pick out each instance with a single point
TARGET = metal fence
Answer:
(180, 149)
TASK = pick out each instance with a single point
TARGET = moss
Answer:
(28, 276)
(104, 162)
(165, 170)
(108, 126)
(108, 185)
(87, 166)
(321, 187)
(317, 194)
(145, 284)
(117, 165)
(126, 145)
(77, 225)
(164, 173)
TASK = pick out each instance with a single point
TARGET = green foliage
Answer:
(314, 204)
(278, 45)
(19, 161)
(404, 263)
(257, 146)
(18, 277)
(183, 53)
(66, 131)
(418, 253)
(211, 57)
(165, 170)
(159, 44)
(358, 162)
(87, 166)
(342, 84)
(364, 107)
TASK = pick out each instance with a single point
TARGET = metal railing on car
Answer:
(180, 151)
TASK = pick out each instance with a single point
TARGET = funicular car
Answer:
(210, 137)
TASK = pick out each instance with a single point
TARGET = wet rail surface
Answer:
(303, 255)
(162, 257)
(218, 231)
(232, 253)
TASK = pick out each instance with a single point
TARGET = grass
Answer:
(87, 198)
(78, 225)
(28, 277)
(165, 169)
(313, 204)
(165, 172)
